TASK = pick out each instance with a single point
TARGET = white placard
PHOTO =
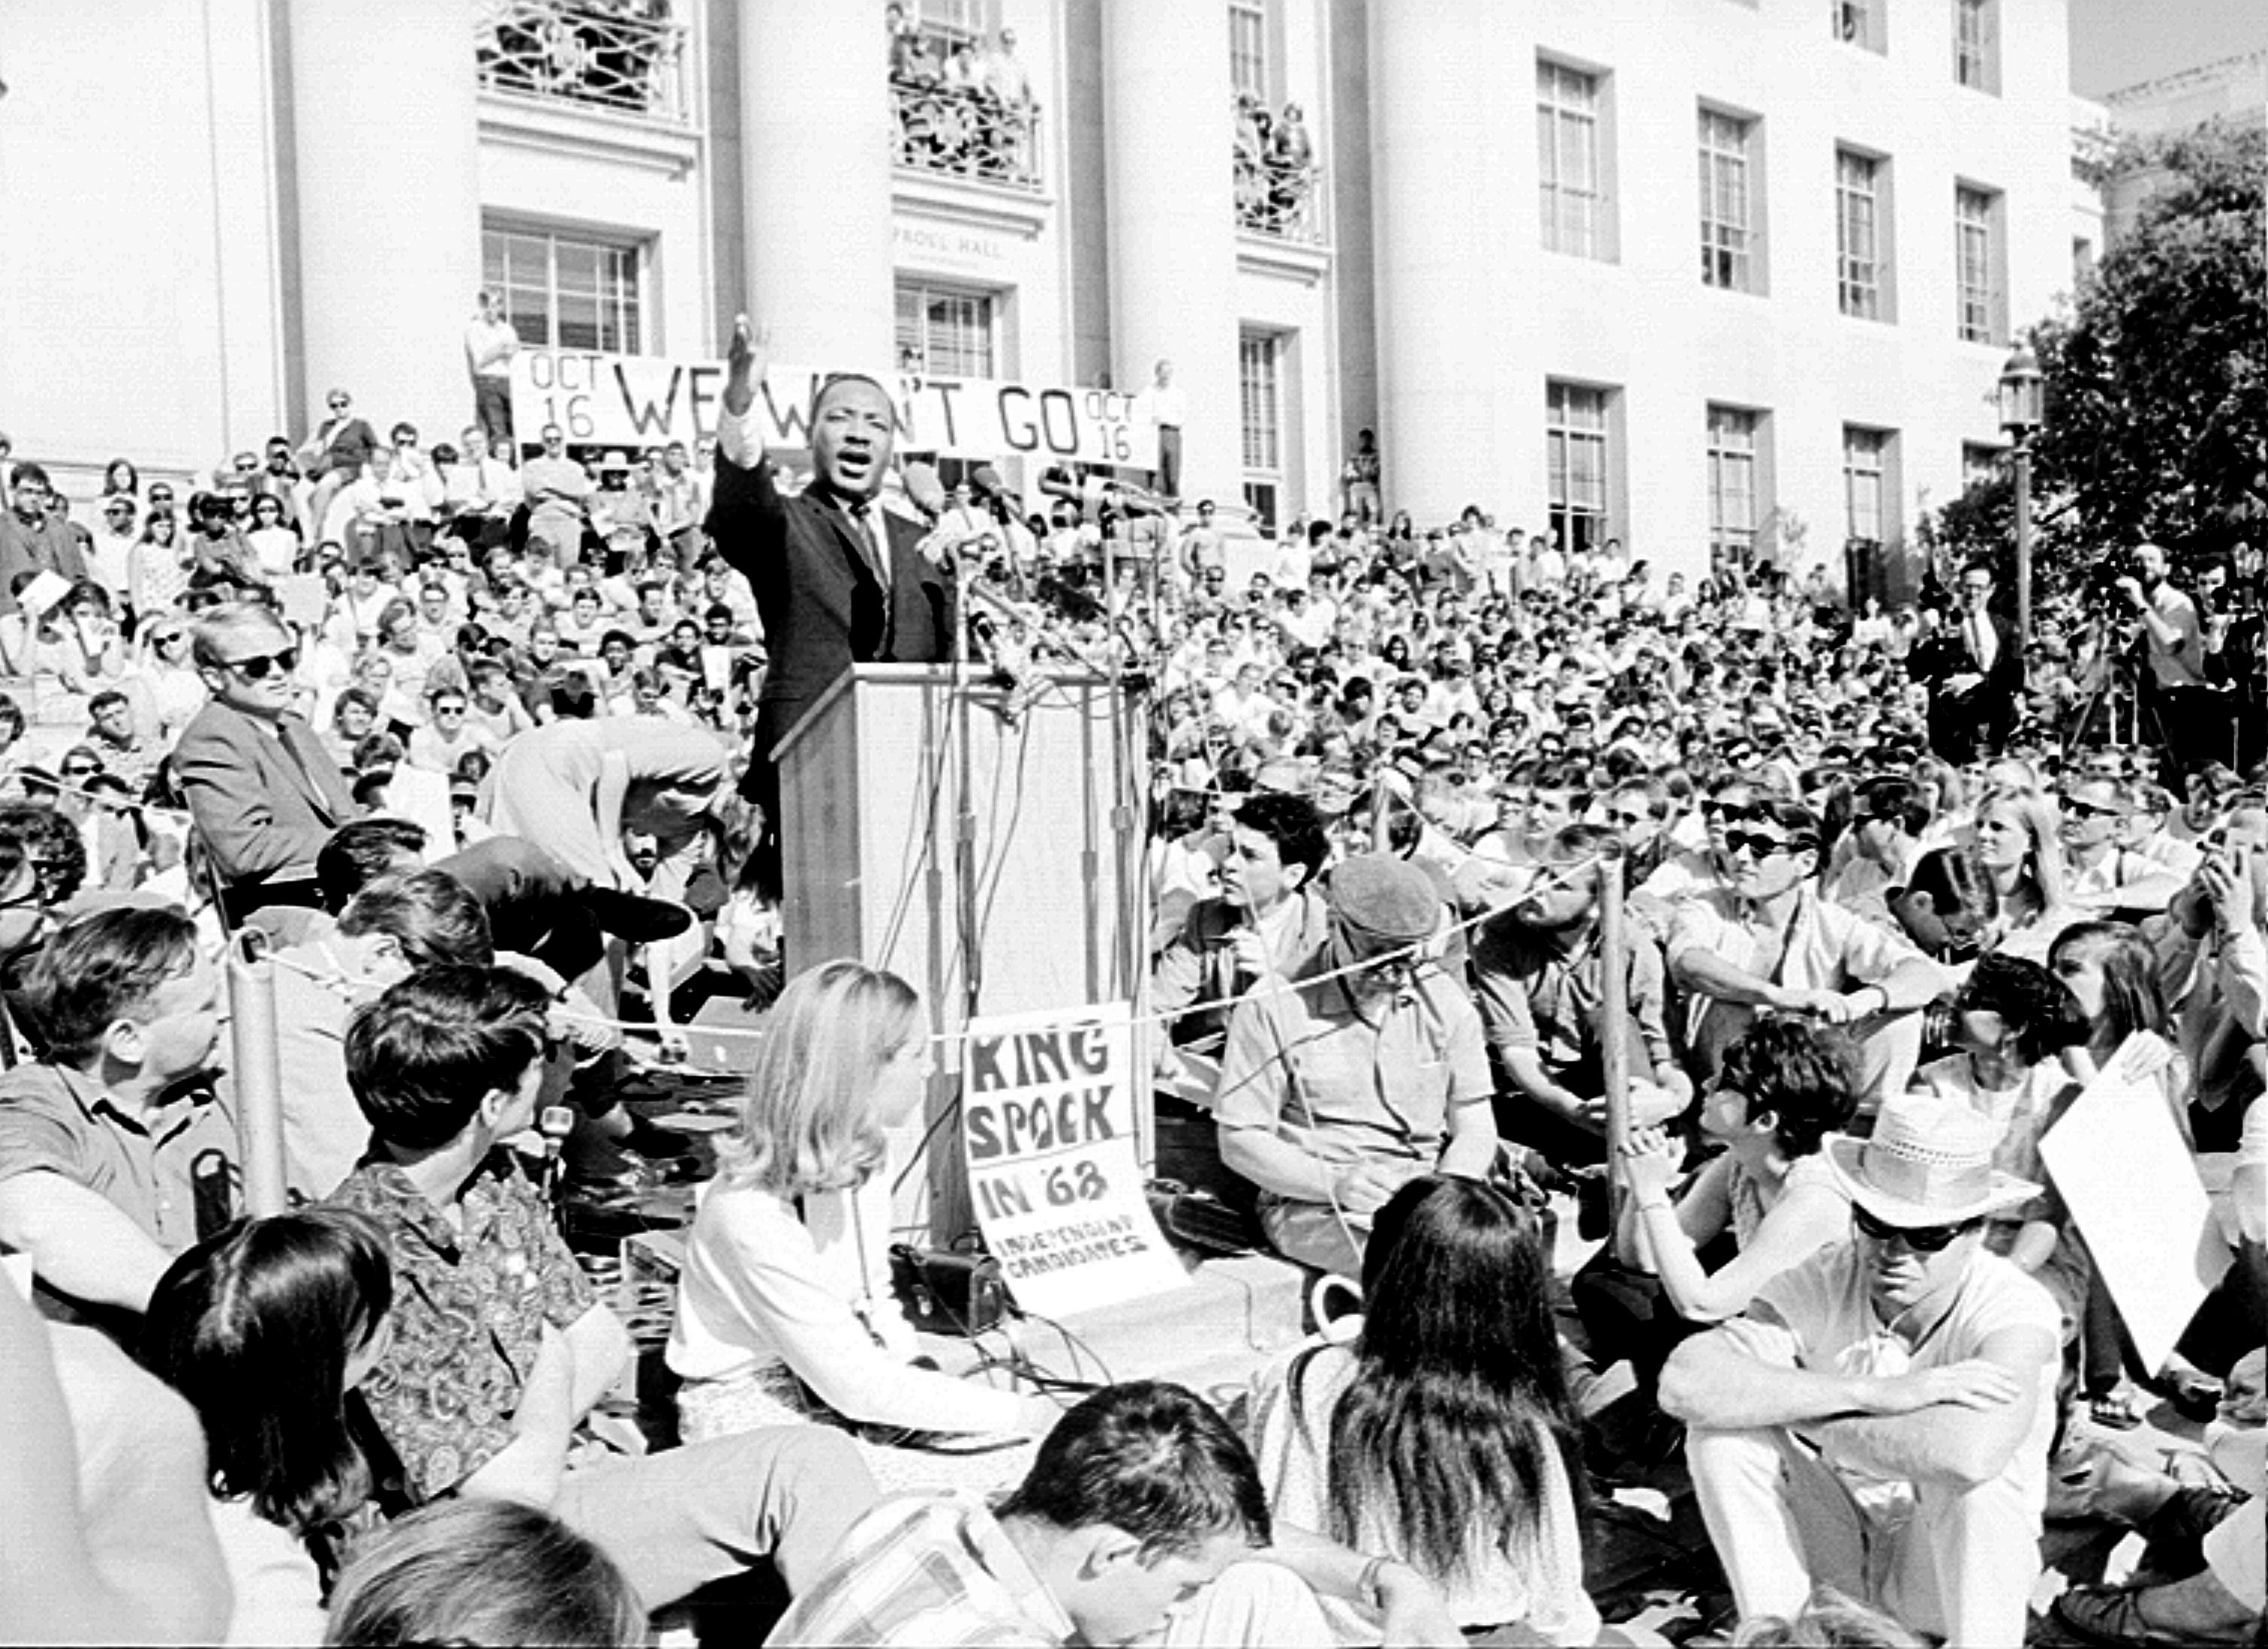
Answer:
(422, 796)
(1047, 1129)
(639, 400)
(2133, 1189)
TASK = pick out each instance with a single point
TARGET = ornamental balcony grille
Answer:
(966, 133)
(627, 57)
(1282, 198)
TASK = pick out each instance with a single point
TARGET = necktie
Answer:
(870, 531)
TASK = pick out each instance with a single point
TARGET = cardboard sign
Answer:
(639, 400)
(422, 796)
(2132, 1188)
(1048, 1131)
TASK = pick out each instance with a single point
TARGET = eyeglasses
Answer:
(1921, 1238)
(2087, 809)
(167, 640)
(81, 769)
(1764, 847)
(1632, 819)
(260, 666)
(1733, 812)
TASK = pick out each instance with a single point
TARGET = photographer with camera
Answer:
(2173, 638)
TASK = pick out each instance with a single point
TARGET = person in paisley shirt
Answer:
(500, 1348)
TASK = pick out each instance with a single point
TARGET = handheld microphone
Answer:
(924, 491)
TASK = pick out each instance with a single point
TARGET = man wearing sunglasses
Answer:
(1767, 940)
(1879, 1419)
(265, 793)
(2098, 873)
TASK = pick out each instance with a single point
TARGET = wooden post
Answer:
(258, 1081)
(1614, 1018)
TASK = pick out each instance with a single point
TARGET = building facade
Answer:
(1715, 277)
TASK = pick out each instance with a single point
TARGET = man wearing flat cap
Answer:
(1364, 1069)
(1878, 1420)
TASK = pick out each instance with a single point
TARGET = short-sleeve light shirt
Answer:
(1351, 1083)
(1816, 1316)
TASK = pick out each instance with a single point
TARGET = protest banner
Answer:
(2132, 1188)
(640, 400)
(1048, 1131)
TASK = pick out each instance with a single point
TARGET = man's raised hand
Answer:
(746, 357)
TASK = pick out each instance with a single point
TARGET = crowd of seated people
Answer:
(1862, 977)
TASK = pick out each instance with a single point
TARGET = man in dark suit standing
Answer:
(837, 581)
(1975, 674)
(265, 793)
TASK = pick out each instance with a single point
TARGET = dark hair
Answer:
(483, 1572)
(2039, 1009)
(255, 1326)
(433, 916)
(104, 700)
(11, 715)
(101, 967)
(359, 852)
(1805, 1076)
(1292, 823)
(1889, 797)
(1150, 1458)
(2131, 997)
(1441, 1443)
(422, 1056)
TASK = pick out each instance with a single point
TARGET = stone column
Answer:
(385, 156)
(815, 154)
(1169, 134)
(1447, 282)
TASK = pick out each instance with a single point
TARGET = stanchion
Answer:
(259, 1080)
(1614, 1014)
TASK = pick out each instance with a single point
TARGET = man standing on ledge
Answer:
(837, 582)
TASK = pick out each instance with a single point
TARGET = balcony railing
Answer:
(626, 55)
(965, 133)
(1282, 198)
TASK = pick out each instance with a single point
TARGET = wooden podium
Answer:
(875, 780)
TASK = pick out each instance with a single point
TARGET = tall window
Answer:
(1260, 391)
(1567, 159)
(1976, 263)
(1725, 234)
(1863, 467)
(1975, 45)
(1732, 485)
(945, 332)
(1575, 451)
(1858, 234)
(1248, 46)
(567, 292)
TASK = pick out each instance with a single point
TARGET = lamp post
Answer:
(2023, 399)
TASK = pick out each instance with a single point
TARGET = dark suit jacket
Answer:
(823, 609)
(1949, 654)
(263, 810)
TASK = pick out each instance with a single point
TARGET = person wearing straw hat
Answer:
(1363, 1071)
(1879, 1419)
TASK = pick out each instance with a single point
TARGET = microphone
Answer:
(924, 491)
(985, 483)
(1092, 494)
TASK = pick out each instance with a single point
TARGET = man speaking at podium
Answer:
(837, 580)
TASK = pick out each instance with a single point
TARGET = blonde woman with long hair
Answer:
(784, 1313)
(2021, 847)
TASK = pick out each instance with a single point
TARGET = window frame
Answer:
(1740, 264)
(1976, 45)
(925, 293)
(1860, 290)
(1262, 400)
(1564, 439)
(618, 292)
(1978, 310)
(1571, 211)
(1254, 13)
(1726, 542)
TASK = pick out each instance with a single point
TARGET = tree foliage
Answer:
(2157, 381)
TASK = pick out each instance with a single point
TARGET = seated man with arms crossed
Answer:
(1878, 1419)
(500, 1348)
